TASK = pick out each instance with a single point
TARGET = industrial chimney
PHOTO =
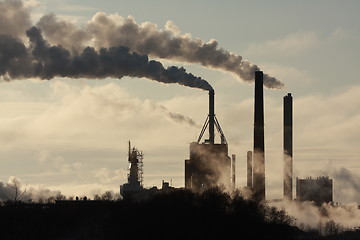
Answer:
(288, 147)
(259, 146)
(249, 169)
(211, 117)
(233, 180)
(209, 164)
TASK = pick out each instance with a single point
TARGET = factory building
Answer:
(319, 190)
(209, 164)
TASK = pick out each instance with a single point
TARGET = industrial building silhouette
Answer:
(134, 185)
(209, 164)
(318, 190)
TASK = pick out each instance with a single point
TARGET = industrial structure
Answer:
(233, 175)
(249, 168)
(288, 146)
(135, 176)
(209, 164)
(259, 144)
(319, 190)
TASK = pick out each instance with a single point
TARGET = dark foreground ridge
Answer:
(178, 214)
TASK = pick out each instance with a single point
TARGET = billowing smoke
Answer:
(14, 18)
(146, 38)
(329, 216)
(42, 60)
(99, 49)
(325, 219)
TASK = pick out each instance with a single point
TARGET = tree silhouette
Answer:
(176, 214)
(15, 184)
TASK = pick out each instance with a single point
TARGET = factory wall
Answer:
(209, 165)
(319, 190)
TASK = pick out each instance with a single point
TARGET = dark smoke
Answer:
(109, 31)
(45, 61)
(113, 30)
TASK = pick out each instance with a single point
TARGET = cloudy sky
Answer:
(71, 134)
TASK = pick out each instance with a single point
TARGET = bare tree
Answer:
(15, 185)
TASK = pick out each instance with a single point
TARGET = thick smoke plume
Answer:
(42, 60)
(14, 18)
(99, 41)
(114, 30)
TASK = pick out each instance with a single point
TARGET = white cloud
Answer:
(300, 43)
(111, 176)
(291, 44)
(85, 128)
(79, 139)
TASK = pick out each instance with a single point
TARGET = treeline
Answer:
(177, 214)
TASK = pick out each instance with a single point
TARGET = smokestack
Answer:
(288, 146)
(249, 169)
(233, 170)
(211, 116)
(259, 146)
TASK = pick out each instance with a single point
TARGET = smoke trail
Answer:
(44, 61)
(14, 18)
(113, 30)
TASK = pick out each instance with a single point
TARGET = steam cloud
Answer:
(113, 30)
(308, 216)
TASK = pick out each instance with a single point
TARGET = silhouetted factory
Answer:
(209, 164)
(319, 190)
(135, 177)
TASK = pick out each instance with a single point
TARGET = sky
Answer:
(71, 135)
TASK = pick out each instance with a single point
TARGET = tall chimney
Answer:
(211, 116)
(259, 146)
(249, 169)
(288, 146)
(233, 171)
